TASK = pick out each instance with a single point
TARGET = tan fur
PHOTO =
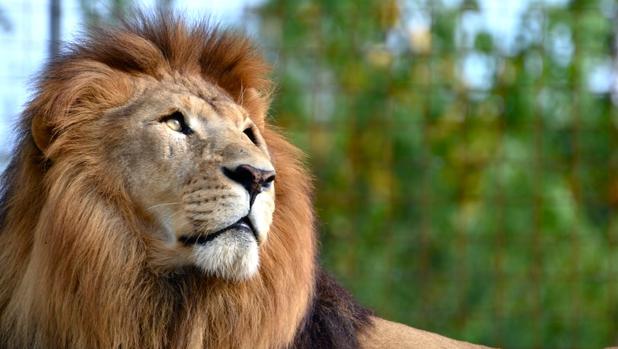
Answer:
(386, 334)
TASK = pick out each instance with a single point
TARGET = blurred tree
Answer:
(55, 15)
(112, 10)
(104, 11)
(5, 23)
(476, 202)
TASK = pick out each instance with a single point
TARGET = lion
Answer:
(149, 203)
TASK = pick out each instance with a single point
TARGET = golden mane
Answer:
(73, 256)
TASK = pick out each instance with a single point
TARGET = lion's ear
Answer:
(256, 104)
(41, 133)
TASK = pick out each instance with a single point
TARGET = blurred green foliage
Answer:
(482, 210)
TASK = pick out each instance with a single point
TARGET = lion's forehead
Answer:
(212, 108)
(195, 95)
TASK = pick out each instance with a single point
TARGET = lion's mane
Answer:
(74, 264)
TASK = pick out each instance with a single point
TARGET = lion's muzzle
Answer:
(242, 226)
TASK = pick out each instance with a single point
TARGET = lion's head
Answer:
(195, 164)
(140, 207)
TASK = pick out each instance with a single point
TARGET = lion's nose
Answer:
(253, 179)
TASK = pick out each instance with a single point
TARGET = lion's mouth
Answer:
(242, 225)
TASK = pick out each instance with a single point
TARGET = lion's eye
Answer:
(176, 122)
(249, 133)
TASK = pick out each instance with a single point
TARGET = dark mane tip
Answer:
(334, 320)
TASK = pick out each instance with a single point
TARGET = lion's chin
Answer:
(231, 256)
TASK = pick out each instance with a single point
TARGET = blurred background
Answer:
(464, 150)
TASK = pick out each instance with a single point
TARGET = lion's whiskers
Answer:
(164, 204)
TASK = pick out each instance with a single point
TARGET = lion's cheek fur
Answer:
(78, 277)
(262, 215)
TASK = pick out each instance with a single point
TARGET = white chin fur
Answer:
(231, 256)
